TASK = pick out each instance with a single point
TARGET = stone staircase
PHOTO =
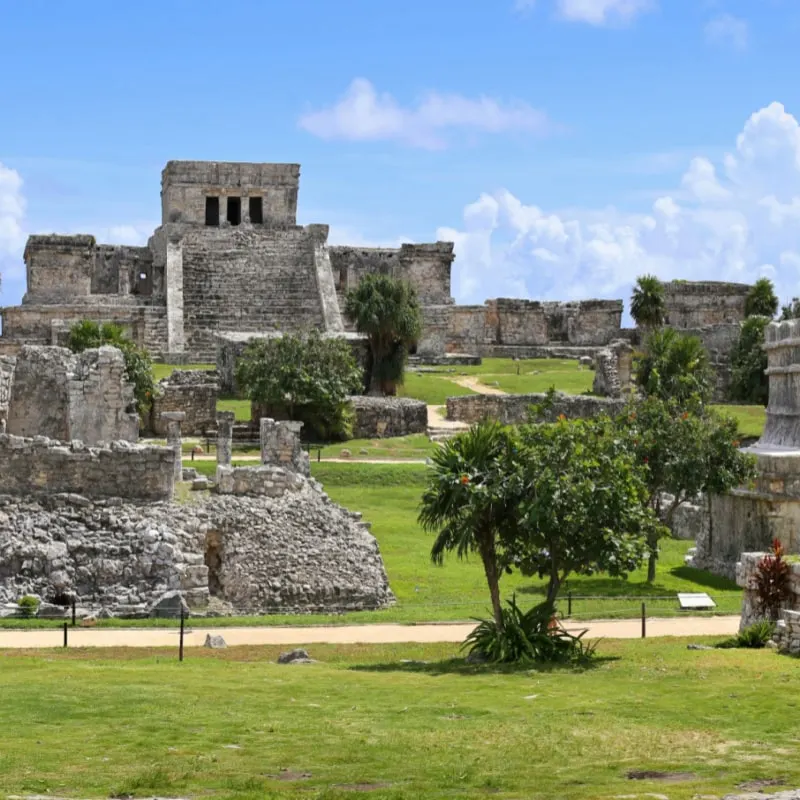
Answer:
(439, 427)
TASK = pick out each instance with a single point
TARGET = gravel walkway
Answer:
(349, 634)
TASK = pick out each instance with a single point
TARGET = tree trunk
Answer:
(488, 556)
(553, 587)
(651, 563)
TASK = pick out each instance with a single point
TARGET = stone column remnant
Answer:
(173, 421)
(782, 343)
(224, 437)
(280, 445)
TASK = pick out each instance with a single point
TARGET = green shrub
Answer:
(749, 382)
(28, 605)
(754, 636)
(528, 637)
(303, 378)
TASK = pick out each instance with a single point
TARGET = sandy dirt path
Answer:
(349, 634)
(470, 382)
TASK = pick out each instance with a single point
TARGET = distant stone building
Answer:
(229, 261)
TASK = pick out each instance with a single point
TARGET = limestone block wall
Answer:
(193, 392)
(508, 323)
(228, 274)
(64, 269)
(782, 343)
(697, 304)
(295, 552)
(749, 518)
(513, 409)
(7, 364)
(281, 447)
(31, 467)
(265, 480)
(613, 369)
(378, 417)
(66, 396)
(186, 184)
(426, 267)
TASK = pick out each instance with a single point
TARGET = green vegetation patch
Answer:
(395, 721)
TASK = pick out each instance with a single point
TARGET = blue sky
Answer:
(566, 146)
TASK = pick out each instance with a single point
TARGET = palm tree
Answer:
(466, 502)
(761, 300)
(387, 311)
(648, 307)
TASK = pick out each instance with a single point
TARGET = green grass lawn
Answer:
(233, 725)
(413, 447)
(240, 408)
(432, 388)
(751, 419)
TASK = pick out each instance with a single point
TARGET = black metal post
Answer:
(644, 621)
(74, 603)
(319, 455)
(569, 604)
(180, 646)
(66, 628)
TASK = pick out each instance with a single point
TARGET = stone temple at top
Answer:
(229, 260)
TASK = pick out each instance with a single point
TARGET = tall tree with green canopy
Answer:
(648, 305)
(675, 366)
(761, 300)
(686, 450)
(749, 381)
(467, 501)
(386, 310)
(580, 499)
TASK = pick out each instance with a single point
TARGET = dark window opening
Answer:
(212, 210)
(256, 210)
(234, 210)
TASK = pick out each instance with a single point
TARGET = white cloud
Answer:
(12, 236)
(363, 114)
(733, 220)
(603, 12)
(595, 12)
(725, 29)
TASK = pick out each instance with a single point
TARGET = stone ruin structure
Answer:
(100, 524)
(749, 518)
(613, 369)
(52, 392)
(230, 260)
(194, 392)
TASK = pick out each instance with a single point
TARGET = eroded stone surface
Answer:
(296, 551)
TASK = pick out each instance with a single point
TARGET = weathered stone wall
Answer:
(698, 304)
(226, 272)
(281, 447)
(293, 552)
(186, 184)
(613, 367)
(782, 343)
(513, 409)
(377, 417)
(63, 269)
(750, 518)
(7, 364)
(530, 323)
(66, 396)
(267, 480)
(194, 392)
(41, 466)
